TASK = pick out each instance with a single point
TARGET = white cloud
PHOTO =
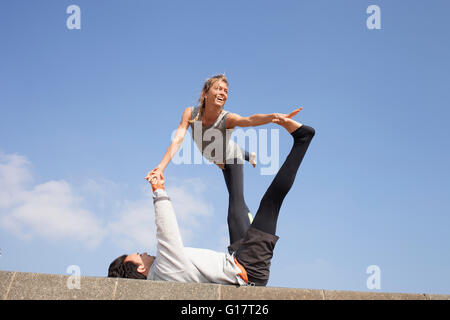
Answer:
(188, 201)
(14, 174)
(189, 205)
(50, 210)
(53, 211)
(59, 211)
(133, 227)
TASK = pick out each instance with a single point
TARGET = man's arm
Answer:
(170, 249)
(235, 120)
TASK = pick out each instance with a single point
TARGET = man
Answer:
(249, 259)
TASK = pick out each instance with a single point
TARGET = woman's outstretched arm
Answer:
(235, 120)
(175, 144)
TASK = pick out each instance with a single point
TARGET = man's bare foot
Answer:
(294, 113)
(289, 124)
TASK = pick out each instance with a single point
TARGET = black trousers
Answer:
(255, 249)
(238, 212)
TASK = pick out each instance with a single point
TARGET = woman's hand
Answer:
(157, 181)
(277, 116)
(235, 120)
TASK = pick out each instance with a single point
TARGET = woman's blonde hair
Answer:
(206, 86)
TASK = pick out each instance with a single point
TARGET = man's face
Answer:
(218, 93)
(143, 261)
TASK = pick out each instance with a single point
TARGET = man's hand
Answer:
(155, 172)
(156, 179)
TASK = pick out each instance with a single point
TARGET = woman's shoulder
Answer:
(189, 111)
(194, 110)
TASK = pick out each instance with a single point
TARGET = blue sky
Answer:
(85, 114)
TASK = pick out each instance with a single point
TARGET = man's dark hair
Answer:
(120, 269)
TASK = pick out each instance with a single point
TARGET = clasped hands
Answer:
(156, 178)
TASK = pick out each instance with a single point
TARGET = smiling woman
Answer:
(209, 122)
(214, 89)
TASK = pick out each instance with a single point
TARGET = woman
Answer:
(210, 115)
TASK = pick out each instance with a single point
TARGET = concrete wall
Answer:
(21, 285)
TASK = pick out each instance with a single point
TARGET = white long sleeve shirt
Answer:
(174, 262)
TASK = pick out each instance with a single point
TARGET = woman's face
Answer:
(217, 94)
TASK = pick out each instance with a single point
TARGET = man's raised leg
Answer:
(255, 251)
(267, 215)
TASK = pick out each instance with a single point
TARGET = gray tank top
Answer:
(205, 139)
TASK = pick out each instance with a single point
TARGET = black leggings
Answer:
(255, 250)
(269, 208)
(267, 215)
(238, 212)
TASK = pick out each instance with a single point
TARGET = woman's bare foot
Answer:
(220, 165)
(252, 159)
